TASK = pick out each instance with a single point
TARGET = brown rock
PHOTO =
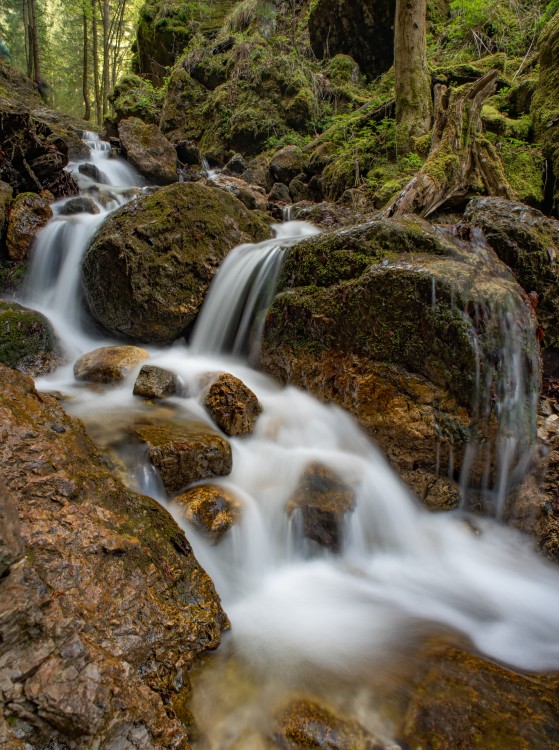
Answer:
(89, 618)
(306, 724)
(286, 164)
(323, 500)
(233, 406)
(29, 213)
(185, 454)
(11, 546)
(211, 509)
(155, 382)
(147, 149)
(252, 196)
(465, 702)
(109, 364)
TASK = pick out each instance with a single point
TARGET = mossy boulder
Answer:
(147, 149)
(459, 700)
(393, 320)
(149, 266)
(545, 105)
(286, 164)
(528, 242)
(185, 453)
(27, 341)
(210, 508)
(136, 97)
(29, 213)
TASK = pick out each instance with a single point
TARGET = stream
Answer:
(303, 619)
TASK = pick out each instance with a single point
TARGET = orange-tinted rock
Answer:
(233, 406)
(185, 454)
(304, 725)
(102, 619)
(210, 508)
(323, 500)
(109, 364)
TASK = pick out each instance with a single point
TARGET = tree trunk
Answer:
(105, 80)
(412, 80)
(459, 155)
(95, 56)
(85, 70)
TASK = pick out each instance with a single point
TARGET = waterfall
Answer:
(232, 317)
(303, 616)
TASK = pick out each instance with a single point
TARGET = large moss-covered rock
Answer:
(399, 323)
(136, 97)
(104, 616)
(147, 149)
(545, 105)
(528, 242)
(148, 268)
(27, 341)
(363, 30)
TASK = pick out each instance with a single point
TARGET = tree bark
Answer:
(85, 70)
(95, 56)
(414, 105)
(459, 155)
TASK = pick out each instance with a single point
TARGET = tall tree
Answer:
(414, 106)
(85, 69)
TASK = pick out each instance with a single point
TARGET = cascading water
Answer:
(303, 617)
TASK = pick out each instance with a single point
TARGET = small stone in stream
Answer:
(323, 500)
(211, 509)
(90, 170)
(79, 206)
(109, 364)
(155, 382)
(232, 406)
(184, 454)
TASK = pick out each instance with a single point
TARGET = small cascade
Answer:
(232, 317)
(210, 173)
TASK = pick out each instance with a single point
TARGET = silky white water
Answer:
(296, 610)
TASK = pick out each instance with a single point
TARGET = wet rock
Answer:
(188, 153)
(459, 700)
(236, 165)
(355, 28)
(252, 196)
(109, 364)
(286, 164)
(29, 213)
(304, 724)
(90, 170)
(185, 454)
(162, 251)
(78, 206)
(27, 341)
(211, 509)
(155, 382)
(90, 616)
(147, 149)
(369, 317)
(300, 190)
(232, 406)
(323, 500)
(279, 193)
(321, 156)
(528, 242)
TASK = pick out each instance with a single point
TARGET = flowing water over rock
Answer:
(303, 618)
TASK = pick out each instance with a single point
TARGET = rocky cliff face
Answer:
(103, 605)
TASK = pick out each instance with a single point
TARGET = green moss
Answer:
(24, 334)
(525, 168)
(136, 97)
